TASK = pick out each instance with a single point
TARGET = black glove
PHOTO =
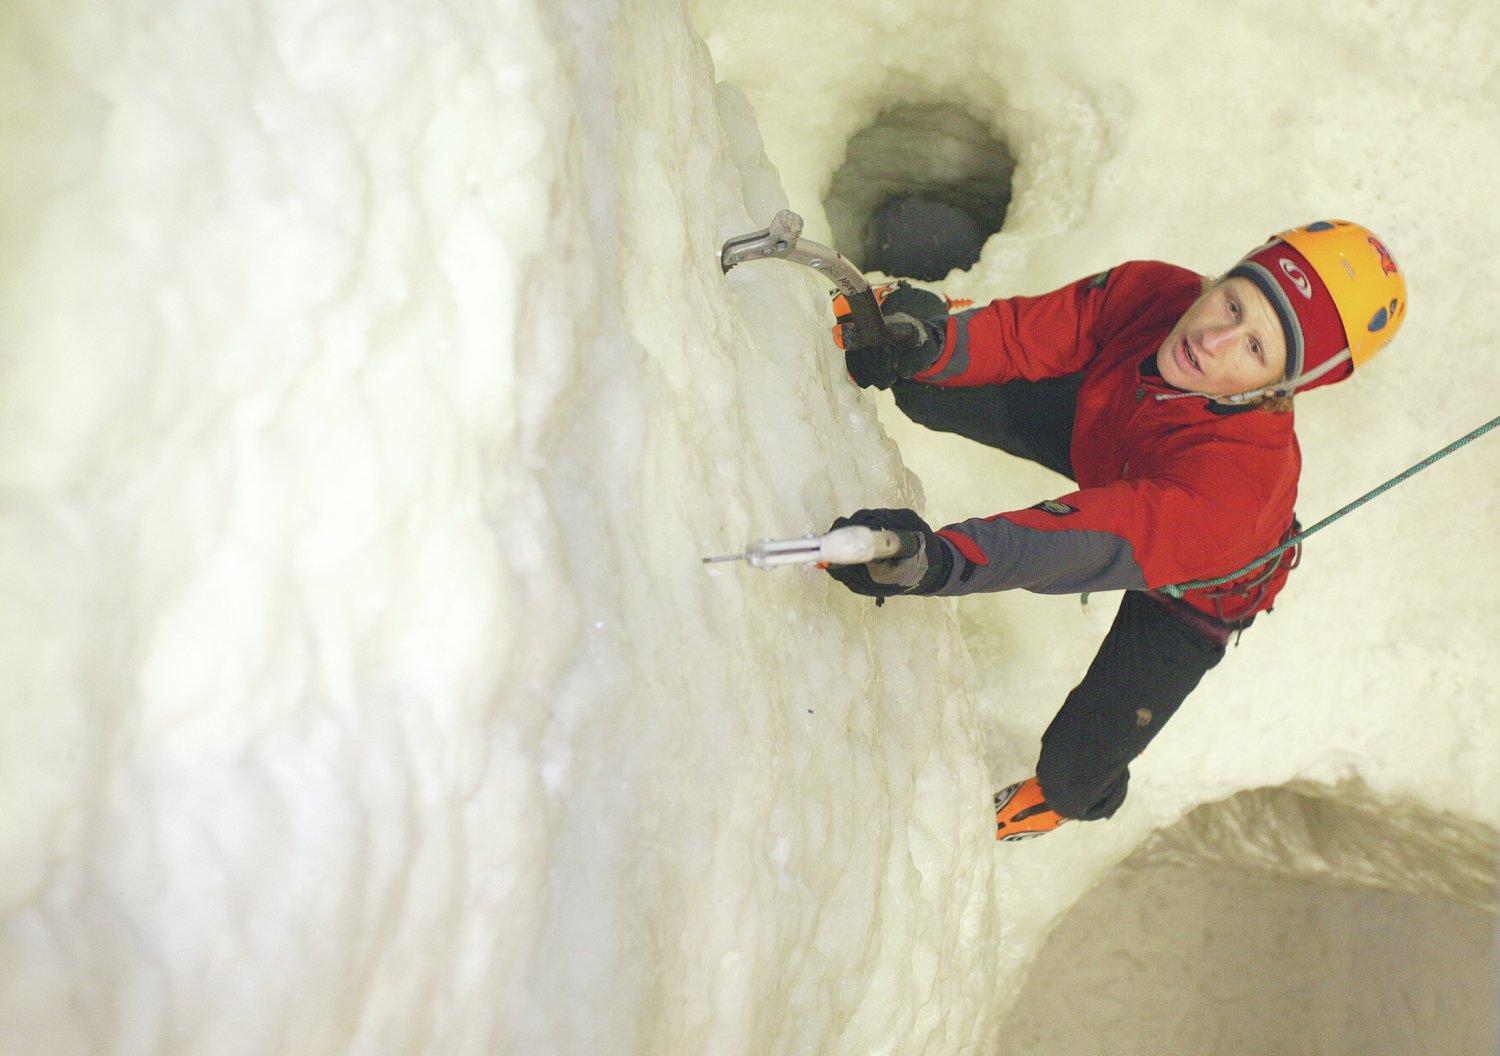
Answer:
(914, 346)
(909, 300)
(922, 573)
(916, 321)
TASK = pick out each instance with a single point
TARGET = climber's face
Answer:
(1228, 342)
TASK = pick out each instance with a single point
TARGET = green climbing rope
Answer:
(1177, 590)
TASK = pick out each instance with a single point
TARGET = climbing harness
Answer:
(1177, 590)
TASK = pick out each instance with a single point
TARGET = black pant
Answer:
(1151, 658)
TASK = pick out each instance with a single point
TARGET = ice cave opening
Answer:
(920, 190)
(1277, 919)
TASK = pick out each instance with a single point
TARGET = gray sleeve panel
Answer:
(1044, 561)
(959, 361)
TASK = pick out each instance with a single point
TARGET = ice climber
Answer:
(1167, 398)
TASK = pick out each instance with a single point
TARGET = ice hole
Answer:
(1296, 919)
(920, 191)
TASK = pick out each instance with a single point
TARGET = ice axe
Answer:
(783, 239)
(853, 544)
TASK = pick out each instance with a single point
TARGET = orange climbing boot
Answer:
(1021, 812)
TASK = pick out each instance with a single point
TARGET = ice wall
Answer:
(370, 393)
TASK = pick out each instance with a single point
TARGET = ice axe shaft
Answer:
(783, 239)
(851, 545)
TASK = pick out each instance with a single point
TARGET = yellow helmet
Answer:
(1338, 293)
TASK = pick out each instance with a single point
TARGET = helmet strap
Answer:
(1287, 386)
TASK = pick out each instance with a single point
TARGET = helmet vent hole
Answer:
(920, 191)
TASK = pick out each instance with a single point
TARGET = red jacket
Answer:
(1169, 489)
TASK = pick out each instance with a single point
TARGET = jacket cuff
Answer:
(939, 565)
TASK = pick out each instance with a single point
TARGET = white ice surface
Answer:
(369, 391)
